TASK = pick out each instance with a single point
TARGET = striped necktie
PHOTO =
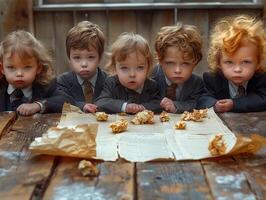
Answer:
(241, 91)
(171, 91)
(88, 91)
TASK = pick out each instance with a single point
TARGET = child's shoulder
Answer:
(66, 75)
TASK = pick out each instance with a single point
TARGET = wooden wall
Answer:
(51, 27)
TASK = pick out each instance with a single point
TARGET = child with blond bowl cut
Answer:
(178, 49)
(129, 90)
(84, 83)
(27, 85)
(237, 79)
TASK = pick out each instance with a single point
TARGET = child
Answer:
(130, 90)
(27, 86)
(178, 51)
(85, 47)
(236, 81)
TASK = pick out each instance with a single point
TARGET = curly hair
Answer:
(185, 37)
(125, 44)
(230, 33)
(27, 46)
(84, 36)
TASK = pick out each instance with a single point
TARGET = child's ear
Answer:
(39, 70)
(1, 69)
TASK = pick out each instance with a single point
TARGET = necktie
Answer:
(88, 91)
(171, 91)
(133, 96)
(16, 98)
(241, 91)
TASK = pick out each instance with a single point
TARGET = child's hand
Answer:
(90, 108)
(27, 109)
(224, 105)
(134, 108)
(168, 105)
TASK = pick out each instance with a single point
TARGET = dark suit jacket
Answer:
(114, 95)
(217, 87)
(189, 95)
(68, 83)
(54, 99)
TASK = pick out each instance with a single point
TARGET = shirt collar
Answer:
(27, 92)
(233, 88)
(168, 82)
(92, 79)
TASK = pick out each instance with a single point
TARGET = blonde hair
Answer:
(27, 46)
(185, 37)
(84, 36)
(125, 44)
(230, 33)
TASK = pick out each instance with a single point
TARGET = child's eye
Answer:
(28, 67)
(91, 57)
(76, 57)
(10, 67)
(170, 64)
(228, 62)
(124, 68)
(246, 62)
(185, 64)
(140, 68)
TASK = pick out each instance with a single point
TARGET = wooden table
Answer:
(27, 176)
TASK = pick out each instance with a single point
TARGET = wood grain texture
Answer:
(23, 175)
(226, 179)
(172, 180)
(253, 166)
(6, 120)
(115, 181)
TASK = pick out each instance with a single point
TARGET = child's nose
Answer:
(177, 69)
(237, 68)
(83, 63)
(19, 73)
(132, 73)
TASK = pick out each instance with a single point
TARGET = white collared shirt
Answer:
(233, 89)
(27, 92)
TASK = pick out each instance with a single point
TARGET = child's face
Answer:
(20, 73)
(241, 66)
(176, 69)
(132, 72)
(84, 62)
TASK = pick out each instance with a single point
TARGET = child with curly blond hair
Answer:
(130, 89)
(178, 49)
(28, 86)
(237, 79)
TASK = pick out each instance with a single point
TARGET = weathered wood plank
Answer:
(23, 175)
(172, 180)
(148, 23)
(14, 15)
(226, 179)
(61, 30)
(117, 26)
(253, 166)
(115, 181)
(6, 119)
